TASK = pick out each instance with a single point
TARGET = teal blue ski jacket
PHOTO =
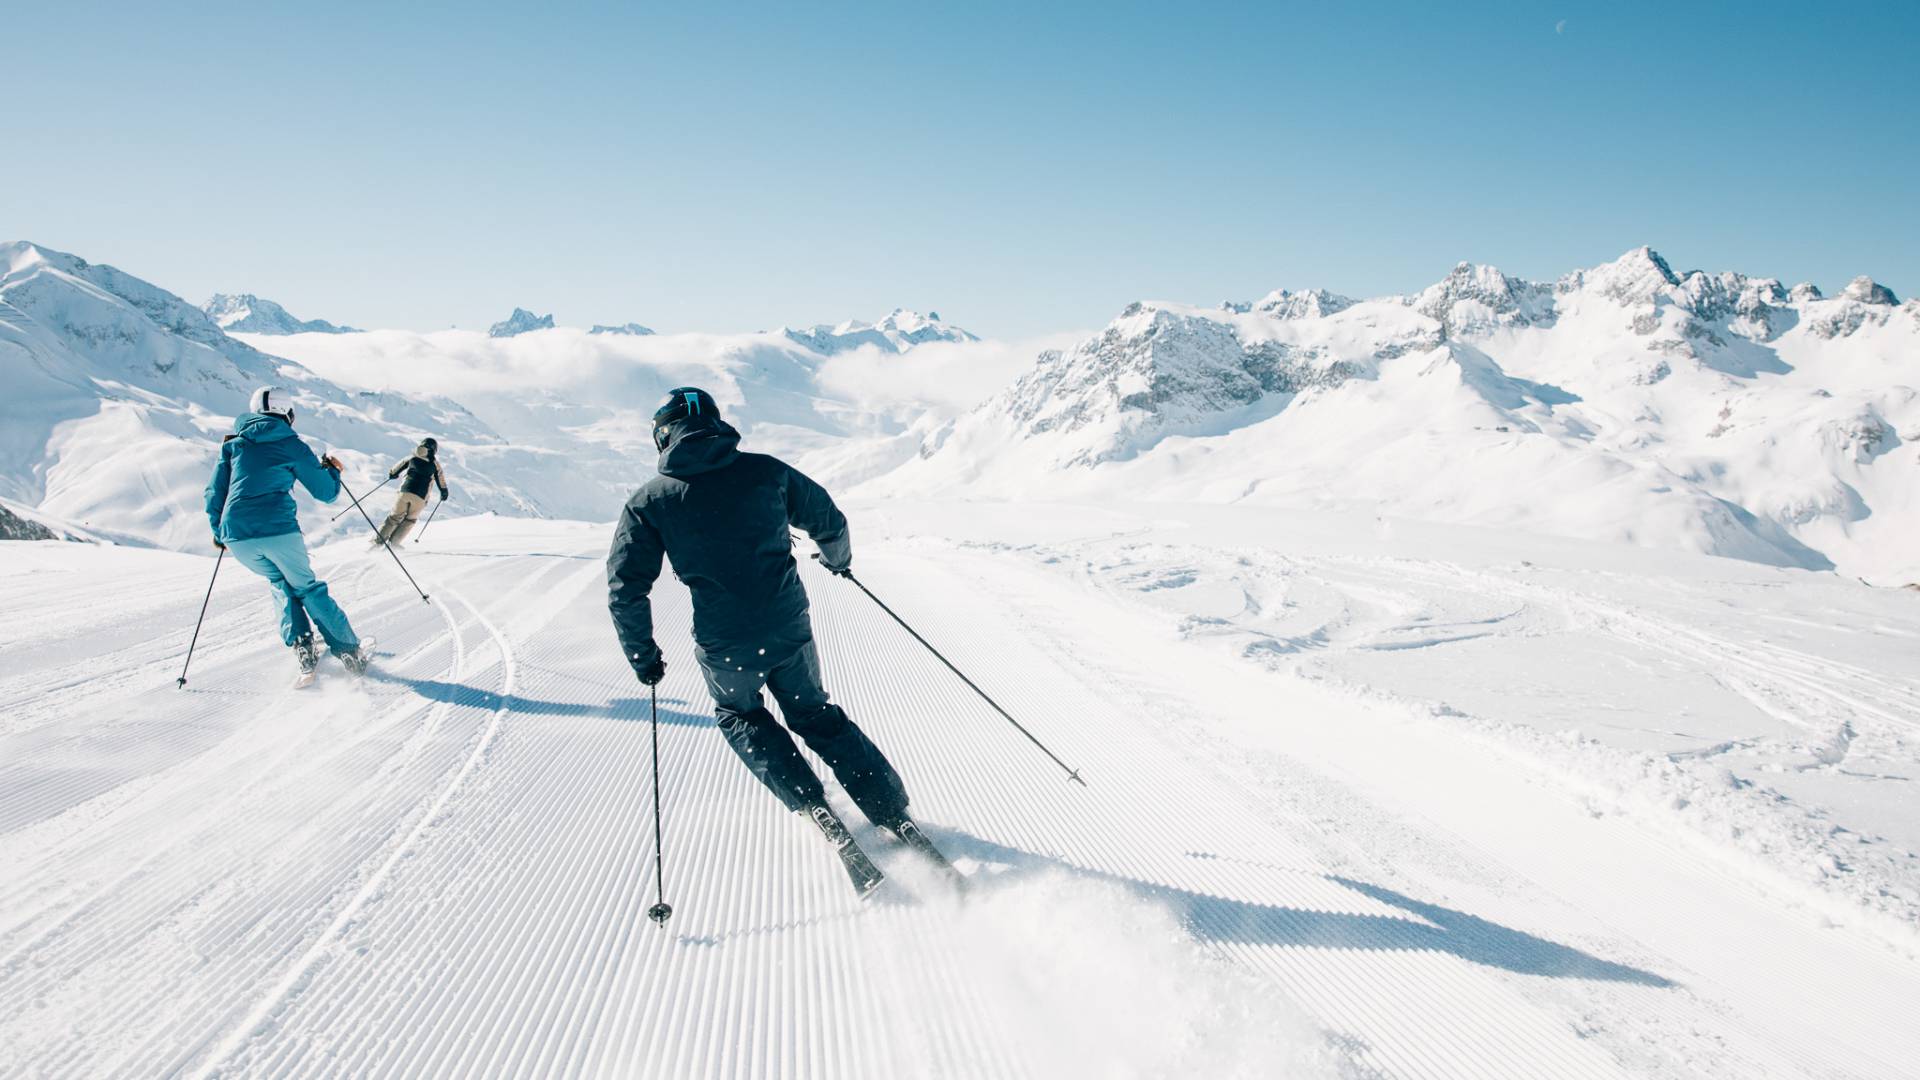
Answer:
(251, 493)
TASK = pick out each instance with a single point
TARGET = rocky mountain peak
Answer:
(1868, 291)
(520, 322)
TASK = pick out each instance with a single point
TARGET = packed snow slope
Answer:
(1712, 413)
(1277, 869)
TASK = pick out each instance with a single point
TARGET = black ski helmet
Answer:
(686, 404)
(433, 446)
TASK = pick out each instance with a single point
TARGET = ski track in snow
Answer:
(444, 870)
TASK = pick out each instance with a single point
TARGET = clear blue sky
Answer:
(1019, 168)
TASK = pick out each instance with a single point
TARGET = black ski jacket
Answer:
(420, 471)
(723, 519)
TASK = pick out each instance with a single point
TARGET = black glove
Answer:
(837, 571)
(654, 672)
(443, 494)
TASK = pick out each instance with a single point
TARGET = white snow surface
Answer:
(1366, 798)
(1471, 683)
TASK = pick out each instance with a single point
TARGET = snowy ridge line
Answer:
(327, 941)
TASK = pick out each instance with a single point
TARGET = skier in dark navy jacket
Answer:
(724, 519)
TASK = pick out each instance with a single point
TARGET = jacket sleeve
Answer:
(217, 490)
(633, 565)
(323, 483)
(440, 478)
(811, 508)
(395, 471)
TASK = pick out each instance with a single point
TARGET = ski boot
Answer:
(303, 651)
(356, 660)
(865, 876)
(910, 835)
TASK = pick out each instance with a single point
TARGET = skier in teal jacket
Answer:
(250, 506)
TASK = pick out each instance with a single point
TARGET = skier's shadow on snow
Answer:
(624, 708)
(1425, 927)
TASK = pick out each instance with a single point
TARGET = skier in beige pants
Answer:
(422, 469)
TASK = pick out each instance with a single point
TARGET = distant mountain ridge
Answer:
(115, 394)
(1719, 412)
(247, 313)
(899, 331)
(520, 322)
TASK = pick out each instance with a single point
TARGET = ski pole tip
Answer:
(180, 683)
(1074, 775)
(659, 913)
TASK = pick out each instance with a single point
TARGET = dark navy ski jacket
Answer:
(723, 519)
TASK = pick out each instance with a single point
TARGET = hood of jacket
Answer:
(692, 451)
(262, 427)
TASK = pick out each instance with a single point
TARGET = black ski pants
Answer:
(769, 751)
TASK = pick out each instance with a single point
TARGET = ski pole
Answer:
(181, 682)
(429, 521)
(384, 544)
(660, 910)
(1072, 773)
(370, 495)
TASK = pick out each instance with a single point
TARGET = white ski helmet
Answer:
(269, 400)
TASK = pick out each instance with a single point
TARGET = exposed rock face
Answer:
(1311, 304)
(520, 322)
(1474, 299)
(15, 527)
(1867, 291)
(1154, 369)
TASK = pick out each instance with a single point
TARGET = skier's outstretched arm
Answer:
(812, 509)
(441, 479)
(321, 479)
(395, 471)
(633, 565)
(217, 491)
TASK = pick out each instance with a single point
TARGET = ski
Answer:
(356, 661)
(909, 834)
(309, 660)
(865, 876)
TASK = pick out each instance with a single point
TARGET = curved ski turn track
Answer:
(444, 870)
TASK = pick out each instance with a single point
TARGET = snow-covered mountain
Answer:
(520, 322)
(1713, 412)
(1719, 413)
(114, 395)
(247, 313)
(633, 329)
(899, 331)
